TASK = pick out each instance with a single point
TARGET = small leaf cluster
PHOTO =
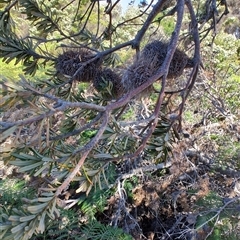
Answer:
(41, 15)
(30, 219)
(13, 48)
(97, 231)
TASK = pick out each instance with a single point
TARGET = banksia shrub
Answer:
(70, 61)
(106, 78)
(150, 60)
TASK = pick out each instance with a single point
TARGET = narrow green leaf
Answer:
(19, 227)
(27, 218)
(14, 218)
(108, 135)
(12, 55)
(37, 208)
(47, 159)
(103, 155)
(166, 138)
(41, 169)
(91, 173)
(4, 216)
(32, 227)
(41, 227)
(17, 211)
(7, 133)
(7, 49)
(18, 235)
(48, 194)
(2, 236)
(21, 163)
(45, 199)
(4, 226)
(30, 167)
(25, 156)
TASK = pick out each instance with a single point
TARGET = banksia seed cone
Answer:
(150, 60)
(70, 61)
(157, 51)
(137, 74)
(102, 80)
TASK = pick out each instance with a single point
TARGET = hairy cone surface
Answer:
(150, 60)
(70, 61)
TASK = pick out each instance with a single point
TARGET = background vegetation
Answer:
(82, 157)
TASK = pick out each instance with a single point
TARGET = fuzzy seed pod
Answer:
(150, 60)
(156, 51)
(137, 74)
(102, 80)
(70, 61)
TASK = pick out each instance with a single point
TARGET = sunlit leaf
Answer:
(41, 226)
(83, 187)
(37, 208)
